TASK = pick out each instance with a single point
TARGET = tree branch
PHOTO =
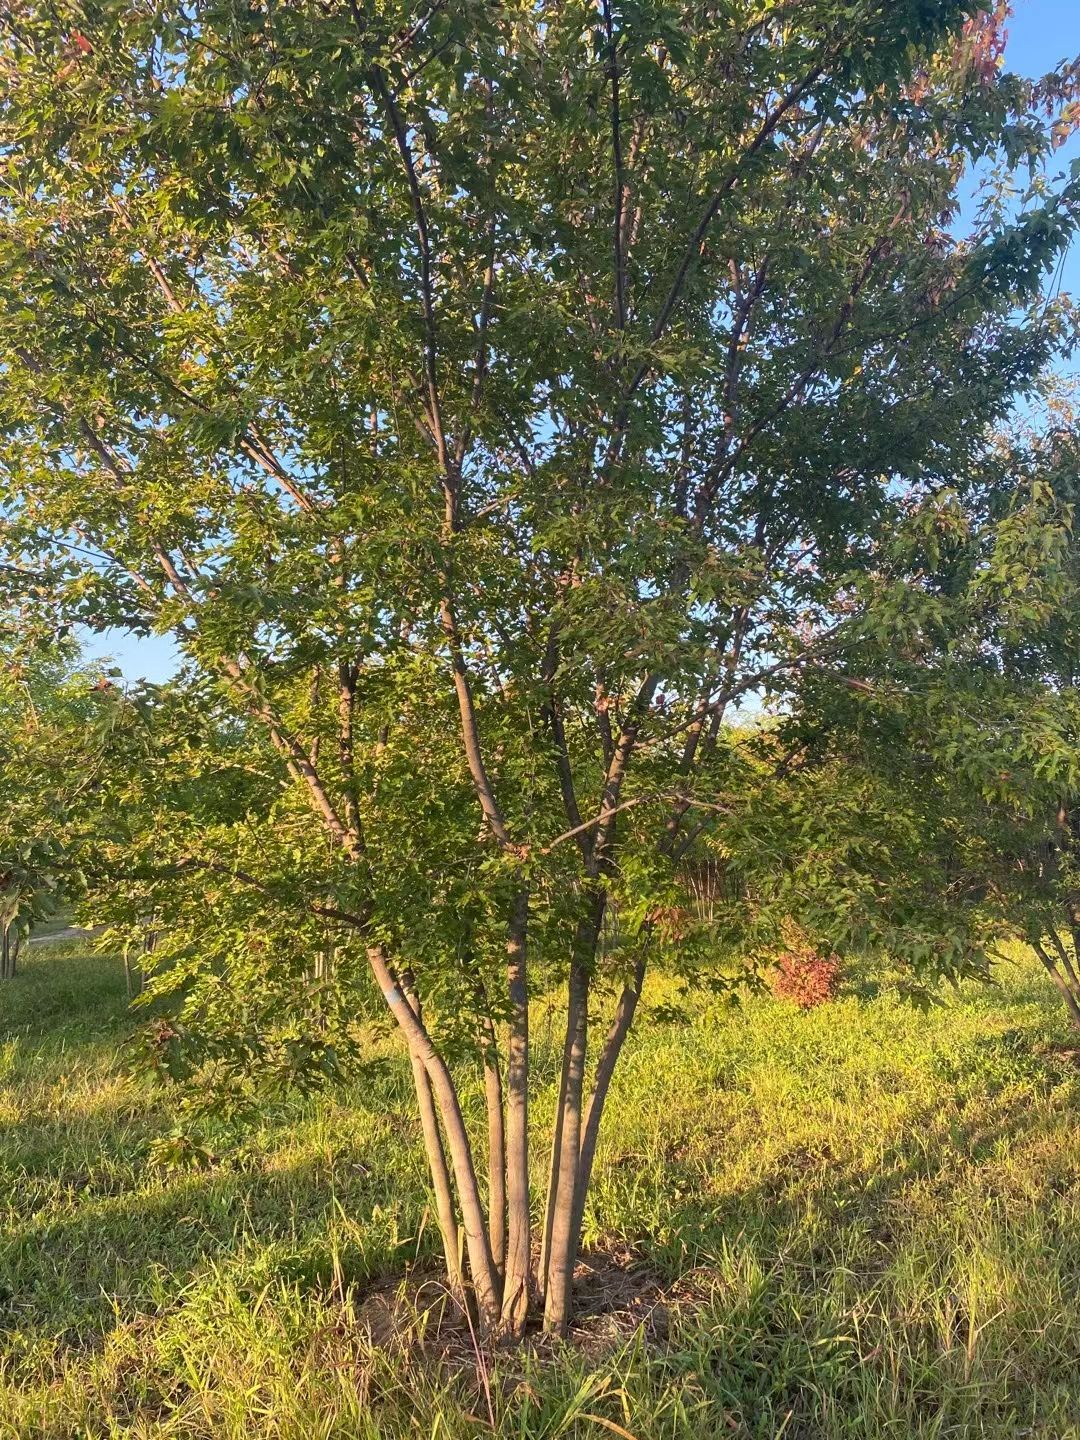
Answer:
(617, 157)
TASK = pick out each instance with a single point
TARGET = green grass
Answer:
(859, 1222)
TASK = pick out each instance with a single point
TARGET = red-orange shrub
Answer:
(805, 977)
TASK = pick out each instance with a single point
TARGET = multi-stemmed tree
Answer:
(488, 398)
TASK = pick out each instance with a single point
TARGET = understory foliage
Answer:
(805, 976)
(488, 400)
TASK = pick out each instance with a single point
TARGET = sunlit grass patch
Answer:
(853, 1221)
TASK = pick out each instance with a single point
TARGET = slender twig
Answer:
(617, 157)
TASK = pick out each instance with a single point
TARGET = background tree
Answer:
(45, 703)
(487, 400)
(964, 692)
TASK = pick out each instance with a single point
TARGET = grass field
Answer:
(857, 1222)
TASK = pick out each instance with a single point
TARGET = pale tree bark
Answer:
(1073, 911)
(558, 1223)
(519, 1228)
(561, 1245)
(493, 1096)
(553, 1177)
(1061, 950)
(9, 951)
(482, 1273)
(1068, 992)
(132, 975)
(605, 1069)
(488, 1038)
(436, 1158)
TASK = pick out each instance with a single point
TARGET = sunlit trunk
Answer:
(1066, 988)
(519, 1229)
(482, 1273)
(561, 1248)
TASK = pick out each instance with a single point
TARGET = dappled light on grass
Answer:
(861, 1218)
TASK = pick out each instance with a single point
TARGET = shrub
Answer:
(806, 977)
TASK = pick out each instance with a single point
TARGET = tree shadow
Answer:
(64, 992)
(135, 1245)
(824, 1280)
(93, 1233)
(768, 1273)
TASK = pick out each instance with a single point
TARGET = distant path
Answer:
(73, 932)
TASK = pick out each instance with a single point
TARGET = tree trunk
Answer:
(1072, 910)
(493, 1094)
(1072, 1000)
(436, 1158)
(560, 1219)
(558, 1273)
(9, 951)
(1066, 963)
(605, 1069)
(553, 1174)
(519, 1237)
(485, 1281)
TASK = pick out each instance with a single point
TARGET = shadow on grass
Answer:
(111, 1251)
(91, 1234)
(782, 1270)
(61, 992)
(74, 1276)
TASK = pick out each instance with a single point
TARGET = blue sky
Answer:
(1041, 33)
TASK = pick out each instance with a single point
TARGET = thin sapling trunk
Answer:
(485, 1279)
(519, 1225)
